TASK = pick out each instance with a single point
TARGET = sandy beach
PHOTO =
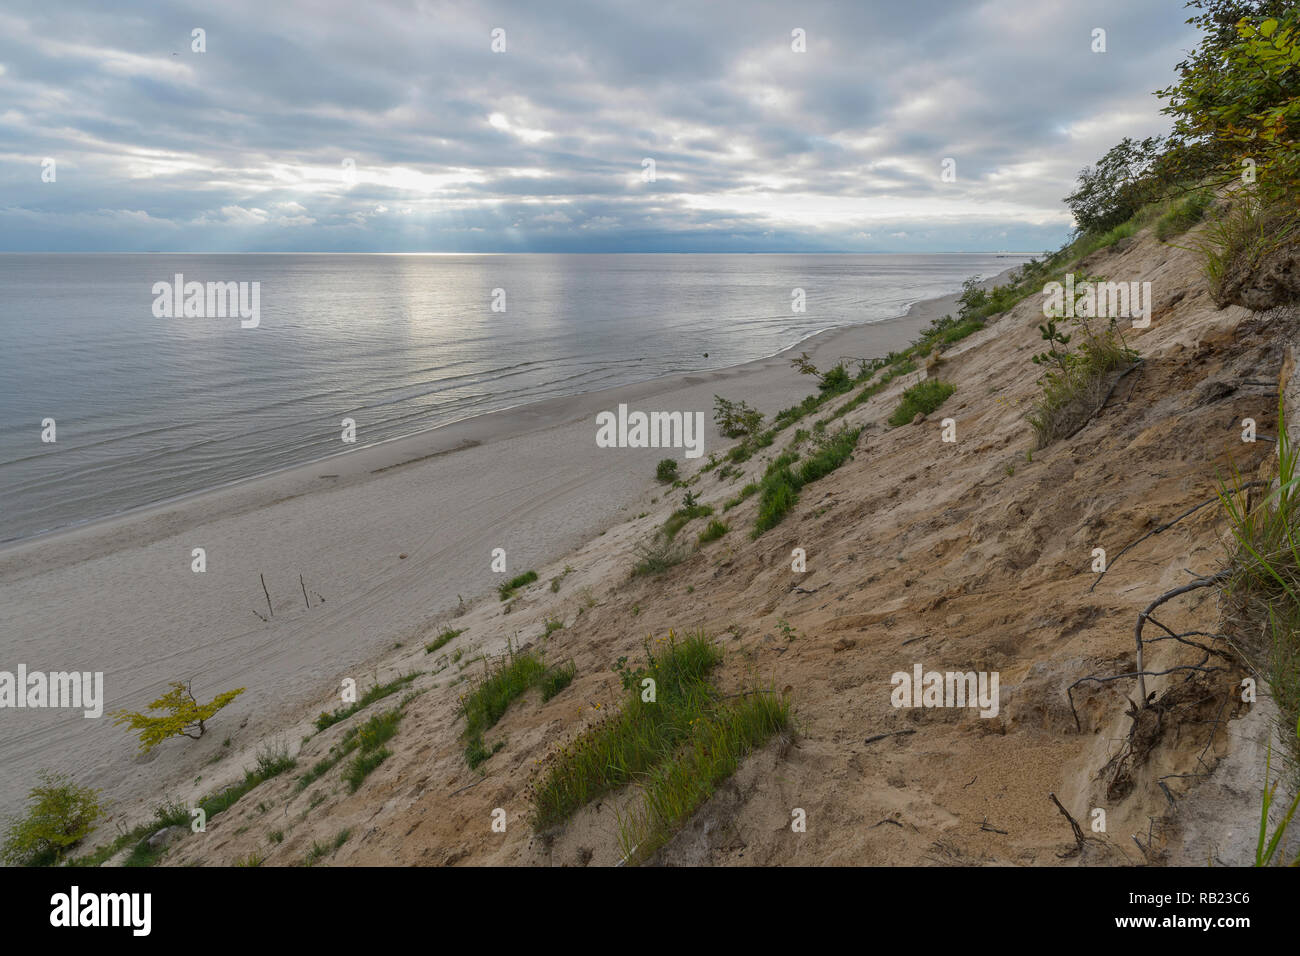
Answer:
(385, 542)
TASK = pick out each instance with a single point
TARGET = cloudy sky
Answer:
(364, 125)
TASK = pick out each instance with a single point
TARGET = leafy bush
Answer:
(1075, 382)
(836, 381)
(1113, 190)
(60, 814)
(1241, 91)
(666, 471)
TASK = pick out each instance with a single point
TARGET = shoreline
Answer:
(563, 406)
(392, 538)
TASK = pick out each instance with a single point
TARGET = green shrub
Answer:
(835, 381)
(1113, 190)
(1076, 381)
(666, 471)
(60, 814)
(736, 419)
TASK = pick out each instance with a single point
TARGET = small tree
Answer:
(186, 717)
(804, 366)
(736, 419)
(666, 471)
(60, 814)
(835, 379)
(1110, 192)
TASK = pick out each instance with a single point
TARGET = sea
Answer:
(113, 396)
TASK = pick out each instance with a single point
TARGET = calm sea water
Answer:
(149, 408)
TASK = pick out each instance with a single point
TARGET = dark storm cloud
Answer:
(393, 126)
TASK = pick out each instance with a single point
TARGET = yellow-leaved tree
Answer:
(184, 716)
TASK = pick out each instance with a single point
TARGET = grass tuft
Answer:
(508, 589)
(682, 742)
(924, 397)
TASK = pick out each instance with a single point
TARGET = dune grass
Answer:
(370, 739)
(658, 555)
(556, 679)
(505, 682)
(1263, 589)
(715, 530)
(683, 516)
(508, 589)
(680, 743)
(378, 692)
(1184, 213)
(924, 397)
(745, 492)
(443, 639)
(781, 484)
(680, 785)
(272, 760)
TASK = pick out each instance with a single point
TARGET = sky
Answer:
(377, 126)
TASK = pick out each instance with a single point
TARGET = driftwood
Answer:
(1074, 825)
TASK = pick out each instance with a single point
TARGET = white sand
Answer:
(118, 596)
